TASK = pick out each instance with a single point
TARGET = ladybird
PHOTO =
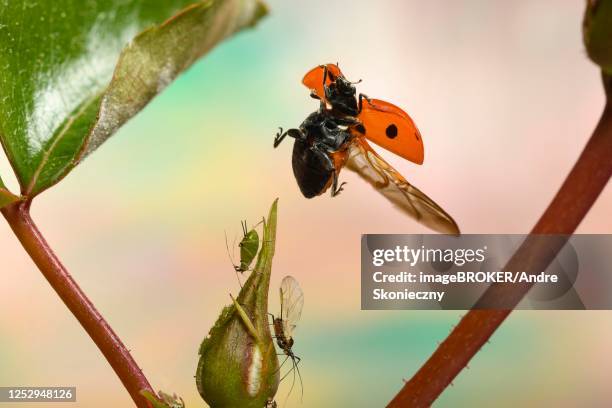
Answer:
(319, 152)
(336, 136)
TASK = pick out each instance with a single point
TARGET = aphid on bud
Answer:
(249, 245)
(292, 302)
(238, 362)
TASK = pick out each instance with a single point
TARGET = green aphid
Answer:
(249, 245)
(238, 365)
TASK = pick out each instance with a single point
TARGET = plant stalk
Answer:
(581, 188)
(18, 217)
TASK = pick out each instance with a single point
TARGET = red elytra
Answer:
(385, 124)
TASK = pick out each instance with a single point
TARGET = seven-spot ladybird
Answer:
(335, 136)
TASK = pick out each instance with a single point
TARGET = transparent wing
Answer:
(384, 178)
(292, 301)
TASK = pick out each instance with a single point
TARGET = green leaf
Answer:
(238, 364)
(6, 197)
(72, 73)
(597, 33)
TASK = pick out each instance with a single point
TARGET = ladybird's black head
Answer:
(341, 94)
(345, 87)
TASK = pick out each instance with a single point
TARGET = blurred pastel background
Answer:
(505, 99)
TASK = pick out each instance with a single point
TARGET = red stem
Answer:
(581, 188)
(18, 217)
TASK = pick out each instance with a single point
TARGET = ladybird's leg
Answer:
(335, 188)
(329, 165)
(324, 75)
(279, 137)
(294, 133)
(320, 151)
(325, 87)
(361, 98)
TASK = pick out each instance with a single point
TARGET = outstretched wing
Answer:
(292, 301)
(384, 178)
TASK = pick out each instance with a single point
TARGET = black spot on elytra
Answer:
(391, 131)
(361, 129)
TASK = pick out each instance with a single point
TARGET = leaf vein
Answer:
(60, 136)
